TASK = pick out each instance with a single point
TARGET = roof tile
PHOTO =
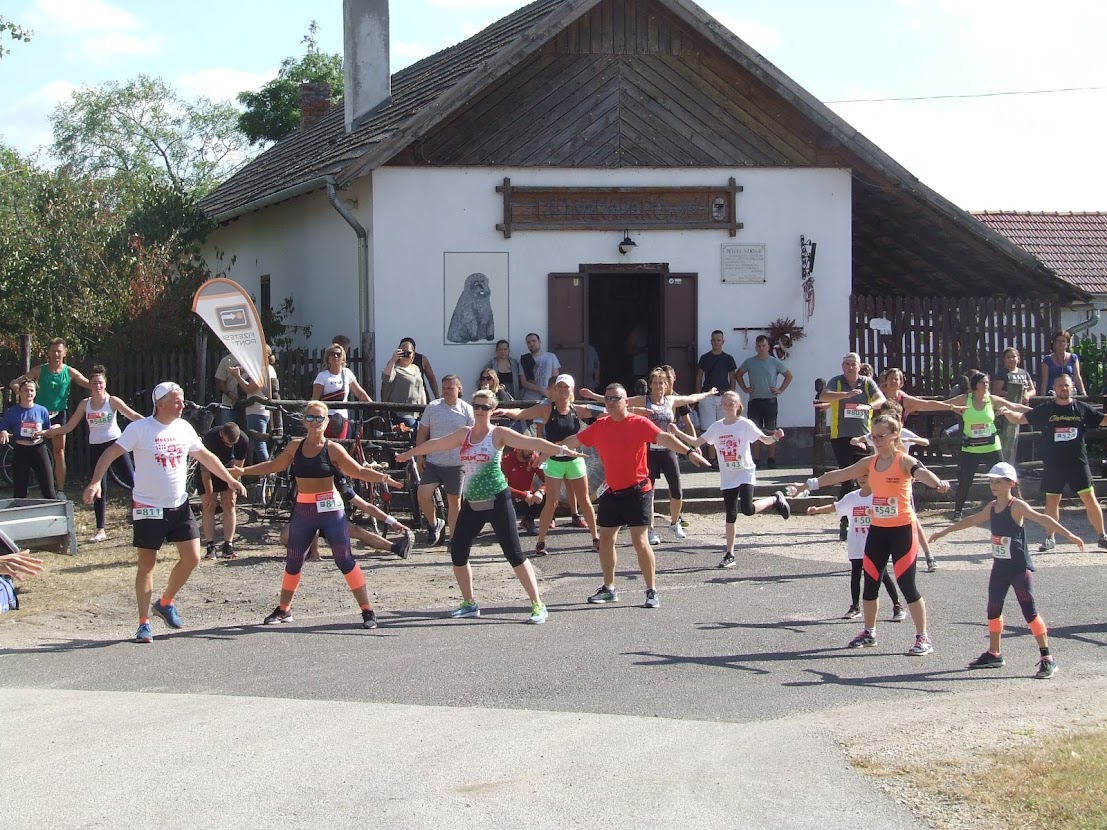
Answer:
(1073, 245)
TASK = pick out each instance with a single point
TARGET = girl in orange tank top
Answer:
(891, 488)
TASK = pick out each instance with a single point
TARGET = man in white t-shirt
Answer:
(442, 417)
(161, 445)
(539, 367)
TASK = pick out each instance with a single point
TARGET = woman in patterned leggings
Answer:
(486, 498)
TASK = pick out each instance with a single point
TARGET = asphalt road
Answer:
(690, 715)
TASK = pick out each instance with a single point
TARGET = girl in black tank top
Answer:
(318, 467)
(560, 426)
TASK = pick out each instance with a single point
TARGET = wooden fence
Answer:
(935, 339)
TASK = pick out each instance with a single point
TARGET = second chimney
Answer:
(368, 81)
(315, 102)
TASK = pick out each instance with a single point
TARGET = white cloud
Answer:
(95, 31)
(107, 47)
(82, 16)
(222, 84)
(26, 120)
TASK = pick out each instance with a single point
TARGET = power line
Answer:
(968, 95)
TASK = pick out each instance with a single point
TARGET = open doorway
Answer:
(624, 325)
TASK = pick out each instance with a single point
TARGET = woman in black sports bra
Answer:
(315, 462)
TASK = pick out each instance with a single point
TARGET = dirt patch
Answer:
(92, 594)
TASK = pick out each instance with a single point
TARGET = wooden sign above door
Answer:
(619, 208)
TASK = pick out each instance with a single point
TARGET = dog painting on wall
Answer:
(473, 319)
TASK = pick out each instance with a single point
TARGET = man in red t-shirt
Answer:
(521, 477)
(621, 439)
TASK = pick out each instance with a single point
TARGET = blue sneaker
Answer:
(167, 613)
(145, 634)
(538, 613)
(466, 609)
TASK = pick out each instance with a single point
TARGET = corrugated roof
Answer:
(1073, 245)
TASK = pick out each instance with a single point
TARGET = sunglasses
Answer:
(314, 419)
(486, 377)
(483, 407)
(334, 354)
(613, 398)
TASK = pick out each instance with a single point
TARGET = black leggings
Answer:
(24, 460)
(856, 568)
(846, 454)
(471, 522)
(124, 464)
(735, 496)
(967, 466)
(901, 546)
(665, 461)
(1005, 576)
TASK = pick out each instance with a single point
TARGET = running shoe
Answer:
(368, 618)
(210, 552)
(596, 544)
(278, 615)
(684, 522)
(430, 535)
(527, 525)
(987, 660)
(540, 549)
(100, 535)
(852, 613)
(931, 564)
(922, 646)
(780, 505)
(538, 613)
(1046, 669)
(958, 515)
(145, 633)
(228, 551)
(899, 613)
(439, 532)
(168, 613)
(466, 609)
(863, 640)
(651, 599)
(652, 537)
(727, 561)
(604, 594)
(1102, 541)
(678, 531)
(1049, 544)
(578, 521)
(402, 546)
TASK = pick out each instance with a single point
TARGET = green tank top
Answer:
(53, 388)
(980, 428)
(480, 464)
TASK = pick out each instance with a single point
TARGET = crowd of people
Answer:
(638, 438)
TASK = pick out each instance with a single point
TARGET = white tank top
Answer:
(102, 423)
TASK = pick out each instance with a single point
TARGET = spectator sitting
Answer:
(520, 473)
(507, 368)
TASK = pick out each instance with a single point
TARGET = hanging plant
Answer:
(783, 334)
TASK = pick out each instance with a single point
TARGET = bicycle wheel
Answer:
(411, 492)
(6, 464)
(117, 472)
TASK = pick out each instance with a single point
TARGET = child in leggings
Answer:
(1012, 566)
(855, 507)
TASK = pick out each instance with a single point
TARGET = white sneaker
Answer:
(678, 531)
(652, 537)
(99, 536)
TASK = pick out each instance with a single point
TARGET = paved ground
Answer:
(711, 711)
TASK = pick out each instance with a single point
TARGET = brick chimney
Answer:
(315, 102)
(367, 77)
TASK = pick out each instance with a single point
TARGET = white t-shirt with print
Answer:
(161, 459)
(732, 444)
(857, 509)
(332, 383)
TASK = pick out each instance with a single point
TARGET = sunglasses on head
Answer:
(314, 419)
(483, 407)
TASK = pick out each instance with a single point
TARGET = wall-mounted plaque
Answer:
(619, 208)
(743, 263)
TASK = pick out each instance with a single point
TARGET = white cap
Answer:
(567, 380)
(163, 389)
(1003, 470)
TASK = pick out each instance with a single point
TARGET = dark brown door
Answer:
(568, 322)
(679, 303)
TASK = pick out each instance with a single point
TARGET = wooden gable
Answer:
(628, 84)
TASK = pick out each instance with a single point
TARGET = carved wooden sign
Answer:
(619, 208)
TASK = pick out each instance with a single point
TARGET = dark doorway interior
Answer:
(624, 325)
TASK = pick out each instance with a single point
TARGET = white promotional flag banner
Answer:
(229, 312)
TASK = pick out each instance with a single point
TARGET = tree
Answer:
(143, 131)
(274, 110)
(16, 31)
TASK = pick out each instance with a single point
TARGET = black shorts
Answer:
(1056, 476)
(59, 418)
(629, 507)
(218, 485)
(763, 411)
(177, 524)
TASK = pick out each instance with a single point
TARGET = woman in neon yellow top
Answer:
(980, 439)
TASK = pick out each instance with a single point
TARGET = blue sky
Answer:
(1025, 152)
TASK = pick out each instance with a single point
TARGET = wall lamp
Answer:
(627, 244)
